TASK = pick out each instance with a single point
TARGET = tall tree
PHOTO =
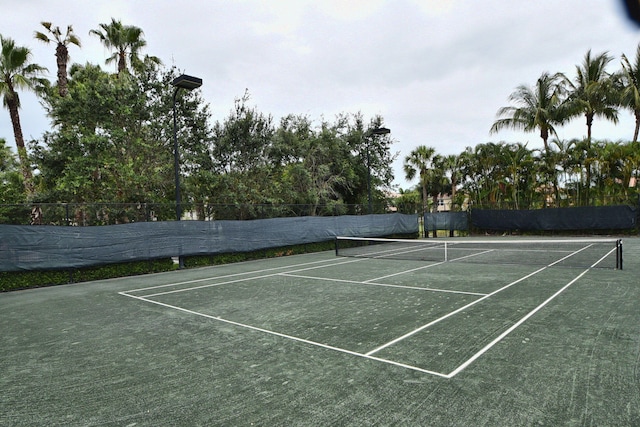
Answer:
(126, 41)
(567, 168)
(453, 167)
(483, 170)
(542, 108)
(437, 179)
(243, 141)
(17, 72)
(62, 52)
(380, 154)
(593, 93)
(11, 188)
(539, 108)
(517, 158)
(418, 162)
(631, 88)
(112, 142)
(370, 160)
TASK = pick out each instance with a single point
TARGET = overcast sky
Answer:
(437, 71)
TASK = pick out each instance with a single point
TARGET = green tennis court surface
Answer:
(325, 340)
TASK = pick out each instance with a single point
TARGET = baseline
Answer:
(290, 337)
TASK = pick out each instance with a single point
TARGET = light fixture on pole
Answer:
(188, 83)
(376, 131)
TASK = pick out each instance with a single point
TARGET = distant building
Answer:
(444, 203)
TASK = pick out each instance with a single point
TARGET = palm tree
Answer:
(17, 72)
(62, 52)
(616, 165)
(548, 169)
(518, 161)
(489, 172)
(126, 41)
(453, 165)
(631, 88)
(565, 162)
(541, 108)
(472, 181)
(418, 162)
(585, 157)
(437, 178)
(593, 92)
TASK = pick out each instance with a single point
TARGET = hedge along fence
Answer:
(15, 280)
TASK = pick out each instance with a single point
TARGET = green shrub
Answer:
(32, 279)
(13, 280)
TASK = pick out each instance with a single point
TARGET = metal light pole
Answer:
(376, 131)
(188, 83)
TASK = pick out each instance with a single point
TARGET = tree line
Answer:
(111, 142)
(512, 176)
(578, 172)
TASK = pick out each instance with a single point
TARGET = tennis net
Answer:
(584, 253)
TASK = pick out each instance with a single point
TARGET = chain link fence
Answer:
(91, 214)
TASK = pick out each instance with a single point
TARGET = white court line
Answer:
(388, 285)
(423, 327)
(384, 254)
(427, 266)
(290, 337)
(604, 257)
(446, 316)
(358, 259)
(245, 279)
(560, 251)
(513, 327)
(244, 273)
(525, 318)
(369, 355)
(405, 272)
(210, 285)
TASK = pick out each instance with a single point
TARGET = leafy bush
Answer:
(10, 281)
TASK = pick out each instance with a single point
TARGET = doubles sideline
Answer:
(371, 354)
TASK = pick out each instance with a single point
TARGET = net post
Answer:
(446, 251)
(335, 241)
(619, 254)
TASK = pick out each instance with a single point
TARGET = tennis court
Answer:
(369, 338)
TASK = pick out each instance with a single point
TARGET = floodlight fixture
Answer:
(380, 131)
(186, 82)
